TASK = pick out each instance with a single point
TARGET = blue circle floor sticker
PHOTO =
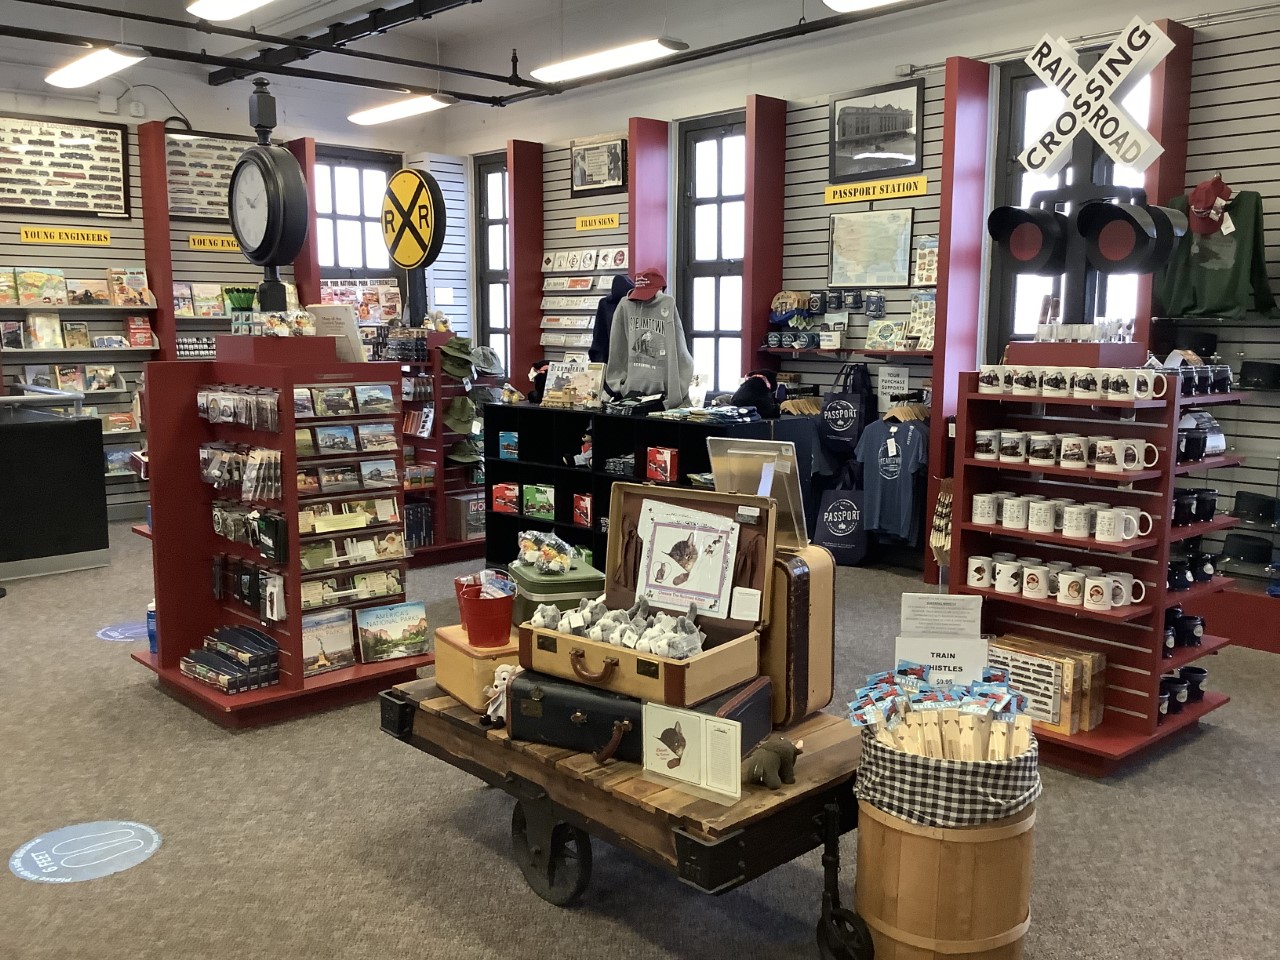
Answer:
(122, 632)
(85, 851)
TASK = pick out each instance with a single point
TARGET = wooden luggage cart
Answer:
(564, 798)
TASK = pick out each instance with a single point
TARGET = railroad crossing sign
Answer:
(1093, 99)
(413, 218)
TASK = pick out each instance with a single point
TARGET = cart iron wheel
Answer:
(844, 936)
(554, 857)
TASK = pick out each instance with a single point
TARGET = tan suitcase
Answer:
(463, 671)
(798, 648)
(731, 652)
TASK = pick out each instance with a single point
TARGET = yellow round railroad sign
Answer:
(413, 218)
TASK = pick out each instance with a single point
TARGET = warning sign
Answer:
(413, 218)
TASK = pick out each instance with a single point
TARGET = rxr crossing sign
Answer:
(413, 218)
(1093, 98)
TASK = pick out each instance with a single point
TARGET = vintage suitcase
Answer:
(562, 589)
(731, 651)
(751, 704)
(463, 671)
(549, 710)
(798, 648)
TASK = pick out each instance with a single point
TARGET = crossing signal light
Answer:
(1033, 240)
(1128, 238)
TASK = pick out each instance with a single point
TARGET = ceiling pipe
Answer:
(259, 65)
(209, 59)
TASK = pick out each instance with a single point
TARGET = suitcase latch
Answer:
(578, 717)
(647, 668)
(547, 644)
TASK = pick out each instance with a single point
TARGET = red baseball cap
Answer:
(648, 283)
(1202, 201)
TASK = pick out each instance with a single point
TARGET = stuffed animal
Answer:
(547, 616)
(773, 763)
(495, 711)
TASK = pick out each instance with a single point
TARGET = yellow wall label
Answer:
(71, 236)
(603, 221)
(876, 189)
(201, 241)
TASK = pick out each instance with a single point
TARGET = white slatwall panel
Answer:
(1235, 130)
(125, 498)
(559, 212)
(806, 221)
(450, 271)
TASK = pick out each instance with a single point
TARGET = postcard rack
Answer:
(184, 542)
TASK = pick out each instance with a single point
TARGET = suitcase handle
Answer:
(609, 749)
(578, 657)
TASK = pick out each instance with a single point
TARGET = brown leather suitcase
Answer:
(798, 647)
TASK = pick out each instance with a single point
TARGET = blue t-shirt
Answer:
(891, 454)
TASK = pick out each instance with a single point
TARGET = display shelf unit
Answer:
(75, 308)
(184, 543)
(1130, 637)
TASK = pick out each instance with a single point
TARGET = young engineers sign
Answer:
(1093, 98)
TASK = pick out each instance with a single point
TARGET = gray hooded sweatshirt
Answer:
(647, 351)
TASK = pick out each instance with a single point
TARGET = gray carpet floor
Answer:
(323, 837)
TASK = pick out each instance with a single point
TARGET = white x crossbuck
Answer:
(1093, 99)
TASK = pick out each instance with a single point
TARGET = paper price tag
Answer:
(1227, 226)
(892, 446)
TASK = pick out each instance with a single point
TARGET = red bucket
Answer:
(487, 620)
(466, 580)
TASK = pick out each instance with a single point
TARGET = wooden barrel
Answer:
(929, 892)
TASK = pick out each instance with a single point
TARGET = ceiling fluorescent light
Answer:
(223, 9)
(95, 65)
(607, 61)
(858, 6)
(402, 109)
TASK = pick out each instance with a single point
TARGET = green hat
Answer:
(464, 451)
(480, 395)
(459, 347)
(456, 367)
(459, 415)
(487, 360)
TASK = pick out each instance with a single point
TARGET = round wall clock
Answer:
(268, 205)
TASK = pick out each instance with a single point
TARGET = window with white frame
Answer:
(347, 192)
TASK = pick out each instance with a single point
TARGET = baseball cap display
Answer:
(1207, 202)
(460, 414)
(487, 360)
(464, 451)
(648, 284)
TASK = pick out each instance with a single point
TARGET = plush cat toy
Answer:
(547, 616)
(773, 763)
(495, 711)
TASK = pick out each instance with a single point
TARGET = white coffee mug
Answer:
(1035, 582)
(1115, 526)
(1108, 456)
(1015, 513)
(1001, 496)
(1026, 381)
(984, 509)
(1042, 449)
(1086, 383)
(1148, 384)
(1073, 453)
(1094, 506)
(1055, 382)
(1056, 567)
(1075, 521)
(1040, 516)
(1070, 588)
(1093, 447)
(1097, 592)
(1139, 516)
(1137, 454)
(1090, 570)
(1008, 576)
(1060, 505)
(1030, 561)
(1117, 384)
(1013, 446)
(1128, 589)
(981, 572)
(986, 445)
(991, 378)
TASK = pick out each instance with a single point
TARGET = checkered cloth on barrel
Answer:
(946, 793)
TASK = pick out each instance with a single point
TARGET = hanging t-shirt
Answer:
(891, 455)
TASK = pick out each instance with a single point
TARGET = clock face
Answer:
(249, 205)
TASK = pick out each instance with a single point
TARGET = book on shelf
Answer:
(11, 335)
(183, 302)
(119, 423)
(333, 401)
(379, 510)
(43, 331)
(379, 473)
(335, 439)
(75, 335)
(327, 642)
(8, 288)
(129, 288)
(320, 555)
(378, 436)
(137, 331)
(305, 443)
(207, 300)
(110, 342)
(508, 445)
(375, 398)
(38, 375)
(70, 377)
(88, 292)
(100, 377)
(302, 406)
(118, 462)
(378, 583)
(392, 631)
(41, 287)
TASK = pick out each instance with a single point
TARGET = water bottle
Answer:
(151, 627)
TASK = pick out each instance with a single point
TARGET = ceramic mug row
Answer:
(1079, 521)
(1084, 383)
(1071, 451)
(1084, 586)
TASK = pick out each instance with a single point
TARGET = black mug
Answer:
(1221, 378)
(1180, 577)
(1195, 677)
(1204, 380)
(1188, 381)
(1164, 705)
(1172, 614)
(1184, 508)
(1189, 630)
(1170, 641)
(1178, 691)
(1206, 504)
(1192, 444)
(1202, 568)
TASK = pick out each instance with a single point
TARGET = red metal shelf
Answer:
(863, 351)
(1208, 463)
(1068, 401)
(1223, 522)
(1114, 743)
(1129, 476)
(1118, 615)
(1185, 655)
(1198, 590)
(1128, 546)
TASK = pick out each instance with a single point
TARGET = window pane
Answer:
(322, 189)
(1138, 103)
(495, 196)
(1122, 296)
(499, 343)
(704, 303)
(704, 358)
(497, 247)
(1029, 292)
(705, 246)
(730, 363)
(733, 165)
(350, 253)
(704, 168)
(324, 240)
(346, 193)
(731, 303)
(733, 230)
(497, 306)
(375, 185)
(375, 246)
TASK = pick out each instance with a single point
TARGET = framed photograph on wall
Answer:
(597, 167)
(64, 167)
(871, 248)
(877, 132)
(198, 168)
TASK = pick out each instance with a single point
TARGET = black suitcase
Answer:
(560, 713)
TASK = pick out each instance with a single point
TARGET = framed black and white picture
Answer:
(198, 167)
(877, 132)
(64, 167)
(597, 167)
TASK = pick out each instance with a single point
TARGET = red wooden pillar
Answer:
(524, 256)
(155, 233)
(648, 173)
(1168, 122)
(762, 258)
(306, 268)
(962, 237)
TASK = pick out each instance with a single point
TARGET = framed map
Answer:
(198, 168)
(64, 167)
(871, 248)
